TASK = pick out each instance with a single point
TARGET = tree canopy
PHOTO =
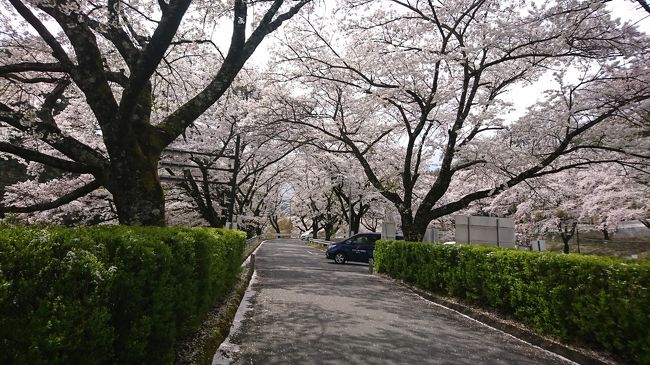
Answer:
(390, 106)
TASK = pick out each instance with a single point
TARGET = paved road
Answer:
(304, 309)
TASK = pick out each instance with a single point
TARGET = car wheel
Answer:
(339, 258)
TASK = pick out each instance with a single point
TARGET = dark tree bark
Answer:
(137, 193)
(359, 208)
(566, 234)
(605, 231)
(273, 219)
(330, 225)
(315, 227)
(325, 217)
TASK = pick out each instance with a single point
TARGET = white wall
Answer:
(483, 231)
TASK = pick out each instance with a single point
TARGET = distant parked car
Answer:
(358, 248)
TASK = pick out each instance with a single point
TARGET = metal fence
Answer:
(627, 248)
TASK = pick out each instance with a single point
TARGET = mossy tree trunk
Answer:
(137, 192)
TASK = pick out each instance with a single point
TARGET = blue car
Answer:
(358, 248)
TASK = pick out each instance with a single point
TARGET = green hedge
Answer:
(111, 294)
(596, 301)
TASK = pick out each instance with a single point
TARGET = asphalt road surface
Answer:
(303, 309)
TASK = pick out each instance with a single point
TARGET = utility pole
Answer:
(350, 211)
(578, 238)
(233, 182)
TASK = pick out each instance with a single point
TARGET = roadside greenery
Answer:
(595, 301)
(110, 294)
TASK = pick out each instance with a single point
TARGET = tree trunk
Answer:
(328, 232)
(605, 234)
(134, 148)
(356, 222)
(273, 219)
(566, 235)
(565, 249)
(330, 225)
(413, 230)
(202, 200)
(314, 228)
(358, 216)
(136, 189)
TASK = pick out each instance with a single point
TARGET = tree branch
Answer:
(56, 47)
(51, 98)
(152, 55)
(65, 199)
(35, 156)
(31, 66)
(175, 124)
(644, 4)
(53, 136)
(117, 36)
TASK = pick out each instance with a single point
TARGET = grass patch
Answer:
(317, 246)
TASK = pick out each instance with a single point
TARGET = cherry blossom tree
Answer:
(416, 93)
(99, 89)
(314, 204)
(600, 196)
(264, 195)
(352, 206)
(610, 198)
(354, 195)
(330, 191)
(94, 208)
(233, 157)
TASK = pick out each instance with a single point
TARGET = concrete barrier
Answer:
(485, 231)
(317, 241)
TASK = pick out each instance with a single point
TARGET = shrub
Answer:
(598, 301)
(110, 294)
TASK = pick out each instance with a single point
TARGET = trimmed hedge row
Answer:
(108, 295)
(598, 301)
